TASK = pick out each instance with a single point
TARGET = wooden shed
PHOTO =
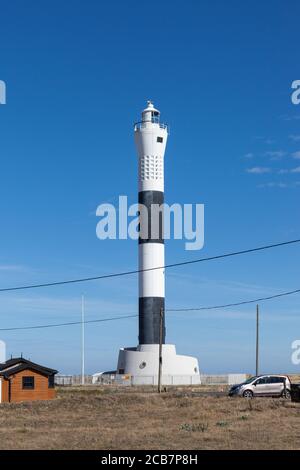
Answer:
(23, 380)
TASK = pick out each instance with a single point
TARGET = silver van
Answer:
(263, 386)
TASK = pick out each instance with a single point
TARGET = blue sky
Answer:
(78, 74)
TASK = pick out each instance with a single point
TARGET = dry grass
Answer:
(126, 418)
(295, 378)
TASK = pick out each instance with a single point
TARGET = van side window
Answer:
(261, 381)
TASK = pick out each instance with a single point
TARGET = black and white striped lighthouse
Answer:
(151, 139)
(142, 362)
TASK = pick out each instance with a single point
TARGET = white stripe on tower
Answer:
(151, 138)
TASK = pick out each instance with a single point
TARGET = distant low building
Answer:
(23, 380)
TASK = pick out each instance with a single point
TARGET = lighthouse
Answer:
(151, 138)
(141, 362)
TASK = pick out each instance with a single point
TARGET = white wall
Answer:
(143, 362)
(150, 154)
(151, 283)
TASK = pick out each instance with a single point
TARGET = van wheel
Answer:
(248, 394)
(286, 394)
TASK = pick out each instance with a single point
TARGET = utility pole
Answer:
(82, 341)
(161, 325)
(257, 341)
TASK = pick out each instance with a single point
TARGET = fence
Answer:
(128, 380)
(64, 380)
(226, 379)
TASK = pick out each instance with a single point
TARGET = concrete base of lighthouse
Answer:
(141, 363)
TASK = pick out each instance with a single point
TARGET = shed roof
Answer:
(12, 366)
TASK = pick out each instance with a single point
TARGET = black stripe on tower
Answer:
(149, 320)
(148, 198)
(150, 307)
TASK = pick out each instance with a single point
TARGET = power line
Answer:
(54, 325)
(235, 304)
(194, 309)
(127, 273)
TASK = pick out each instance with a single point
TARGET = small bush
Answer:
(202, 427)
(222, 424)
(243, 417)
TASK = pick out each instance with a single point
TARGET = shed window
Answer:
(28, 382)
(51, 381)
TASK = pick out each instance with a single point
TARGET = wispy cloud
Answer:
(286, 117)
(281, 185)
(285, 171)
(53, 308)
(217, 285)
(13, 268)
(295, 137)
(249, 155)
(266, 140)
(275, 154)
(296, 155)
(273, 184)
(258, 170)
